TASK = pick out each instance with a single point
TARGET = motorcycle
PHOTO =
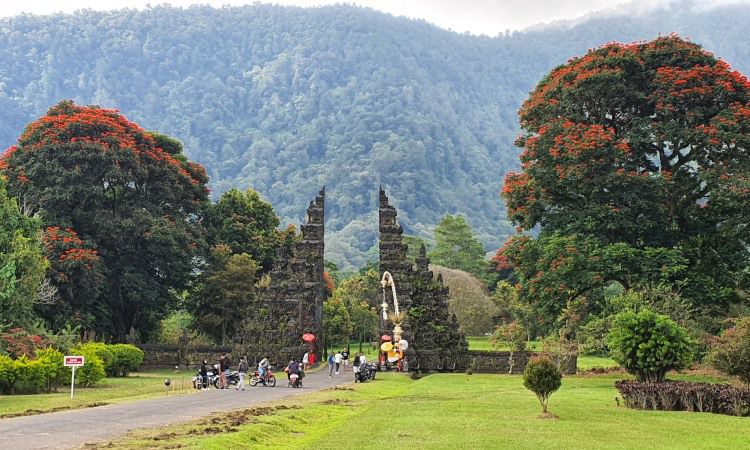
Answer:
(211, 376)
(295, 380)
(270, 379)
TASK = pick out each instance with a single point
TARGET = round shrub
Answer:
(103, 351)
(542, 377)
(93, 367)
(128, 357)
(648, 345)
(731, 352)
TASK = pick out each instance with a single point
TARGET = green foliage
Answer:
(22, 262)
(172, 327)
(223, 293)
(648, 345)
(456, 247)
(542, 377)
(246, 223)
(114, 203)
(127, 358)
(469, 300)
(337, 323)
(102, 351)
(54, 371)
(25, 375)
(93, 369)
(731, 352)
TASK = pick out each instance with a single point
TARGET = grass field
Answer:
(137, 386)
(449, 411)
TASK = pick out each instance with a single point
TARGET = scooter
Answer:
(211, 376)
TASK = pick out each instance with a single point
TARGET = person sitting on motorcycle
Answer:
(204, 374)
(293, 369)
(263, 365)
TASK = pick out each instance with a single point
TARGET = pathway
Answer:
(72, 429)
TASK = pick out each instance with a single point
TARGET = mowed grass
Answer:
(449, 411)
(585, 362)
(137, 386)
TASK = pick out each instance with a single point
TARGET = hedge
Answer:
(686, 396)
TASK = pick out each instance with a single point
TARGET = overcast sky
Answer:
(488, 17)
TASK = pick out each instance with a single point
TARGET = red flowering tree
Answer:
(643, 145)
(127, 200)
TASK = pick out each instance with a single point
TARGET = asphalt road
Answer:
(72, 429)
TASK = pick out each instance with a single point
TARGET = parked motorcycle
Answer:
(213, 380)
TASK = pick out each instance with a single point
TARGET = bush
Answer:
(648, 345)
(731, 352)
(686, 396)
(103, 351)
(52, 365)
(542, 377)
(18, 342)
(93, 366)
(7, 374)
(128, 357)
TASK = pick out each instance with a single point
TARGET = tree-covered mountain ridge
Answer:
(285, 99)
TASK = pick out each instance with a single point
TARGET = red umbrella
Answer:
(385, 337)
(308, 337)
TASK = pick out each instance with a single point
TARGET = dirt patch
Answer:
(336, 401)
(548, 416)
(594, 371)
(341, 388)
(34, 412)
(164, 436)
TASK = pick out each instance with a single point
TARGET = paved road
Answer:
(72, 429)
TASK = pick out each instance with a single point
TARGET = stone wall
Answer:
(480, 362)
(165, 356)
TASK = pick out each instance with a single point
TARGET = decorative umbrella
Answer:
(386, 346)
(386, 338)
(308, 337)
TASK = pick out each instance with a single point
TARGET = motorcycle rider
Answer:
(263, 365)
(293, 369)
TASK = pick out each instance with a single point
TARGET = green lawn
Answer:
(110, 390)
(449, 411)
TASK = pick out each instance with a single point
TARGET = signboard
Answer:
(73, 361)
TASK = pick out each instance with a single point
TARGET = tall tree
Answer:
(225, 291)
(92, 173)
(246, 223)
(643, 146)
(456, 247)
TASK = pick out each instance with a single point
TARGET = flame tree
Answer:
(119, 206)
(635, 168)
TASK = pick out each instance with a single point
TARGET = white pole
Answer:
(72, 381)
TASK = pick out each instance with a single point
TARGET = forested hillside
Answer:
(285, 100)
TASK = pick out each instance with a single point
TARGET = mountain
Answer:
(285, 99)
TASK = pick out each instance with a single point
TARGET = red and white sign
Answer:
(73, 361)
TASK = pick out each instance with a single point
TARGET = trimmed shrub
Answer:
(731, 352)
(686, 396)
(128, 358)
(54, 370)
(93, 366)
(100, 349)
(542, 377)
(648, 345)
(7, 374)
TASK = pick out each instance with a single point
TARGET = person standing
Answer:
(221, 368)
(330, 365)
(242, 371)
(355, 367)
(305, 360)
(345, 357)
(204, 375)
(227, 368)
(337, 358)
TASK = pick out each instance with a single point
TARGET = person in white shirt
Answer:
(305, 360)
(337, 360)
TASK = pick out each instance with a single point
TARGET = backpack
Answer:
(330, 359)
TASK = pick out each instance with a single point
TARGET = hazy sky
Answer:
(475, 16)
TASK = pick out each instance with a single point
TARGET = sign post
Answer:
(73, 361)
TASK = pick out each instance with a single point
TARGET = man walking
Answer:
(337, 358)
(330, 364)
(222, 376)
(242, 370)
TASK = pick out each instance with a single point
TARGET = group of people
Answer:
(340, 361)
(223, 367)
